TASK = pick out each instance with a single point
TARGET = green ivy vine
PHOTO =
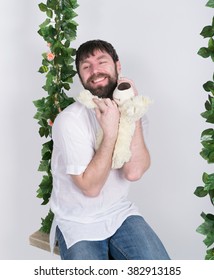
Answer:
(58, 30)
(207, 141)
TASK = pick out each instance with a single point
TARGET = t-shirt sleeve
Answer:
(72, 143)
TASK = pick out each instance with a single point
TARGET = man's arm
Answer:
(94, 177)
(140, 159)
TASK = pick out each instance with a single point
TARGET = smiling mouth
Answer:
(98, 80)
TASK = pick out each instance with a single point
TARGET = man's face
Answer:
(99, 74)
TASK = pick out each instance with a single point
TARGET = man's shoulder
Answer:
(73, 108)
(73, 113)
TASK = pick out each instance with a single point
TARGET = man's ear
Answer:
(118, 66)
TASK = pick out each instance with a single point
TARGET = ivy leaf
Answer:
(48, 146)
(207, 134)
(210, 4)
(207, 228)
(211, 194)
(47, 156)
(207, 105)
(207, 31)
(43, 131)
(211, 157)
(42, 7)
(45, 23)
(45, 188)
(39, 103)
(43, 69)
(74, 4)
(208, 155)
(66, 86)
(47, 222)
(49, 13)
(200, 192)
(204, 52)
(209, 116)
(209, 186)
(70, 3)
(44, 166)
(210, 254)
(67, 44)
(209, 86)
(52, 4)
(205, 177)
(211, 45)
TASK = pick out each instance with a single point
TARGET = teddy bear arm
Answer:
(86, 98)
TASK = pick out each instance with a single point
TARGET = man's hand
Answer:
(108, 116)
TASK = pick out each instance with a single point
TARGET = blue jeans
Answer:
(134, 240)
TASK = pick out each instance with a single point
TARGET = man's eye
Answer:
(102, 62)
(85, 67)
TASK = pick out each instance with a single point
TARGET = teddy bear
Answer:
(131, 108)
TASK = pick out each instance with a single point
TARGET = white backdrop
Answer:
(157, 42)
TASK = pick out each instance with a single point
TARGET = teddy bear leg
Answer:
(118, 162)
(122, 152)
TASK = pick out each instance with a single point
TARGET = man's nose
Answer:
(94, 69)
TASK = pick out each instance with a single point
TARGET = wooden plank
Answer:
(40, 240)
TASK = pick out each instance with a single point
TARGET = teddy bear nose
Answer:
(124, 86)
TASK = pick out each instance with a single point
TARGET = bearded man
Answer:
(93, 217)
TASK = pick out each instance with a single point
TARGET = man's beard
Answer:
(102, 91)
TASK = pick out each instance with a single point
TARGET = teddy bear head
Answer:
(122, 93)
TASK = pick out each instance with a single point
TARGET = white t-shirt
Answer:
(80, 217)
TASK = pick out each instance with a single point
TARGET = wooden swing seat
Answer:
(40, 240)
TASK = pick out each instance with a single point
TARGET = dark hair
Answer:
(89, 47)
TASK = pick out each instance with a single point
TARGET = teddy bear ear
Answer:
(124, 86)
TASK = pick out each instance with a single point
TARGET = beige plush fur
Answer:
(131, 108)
